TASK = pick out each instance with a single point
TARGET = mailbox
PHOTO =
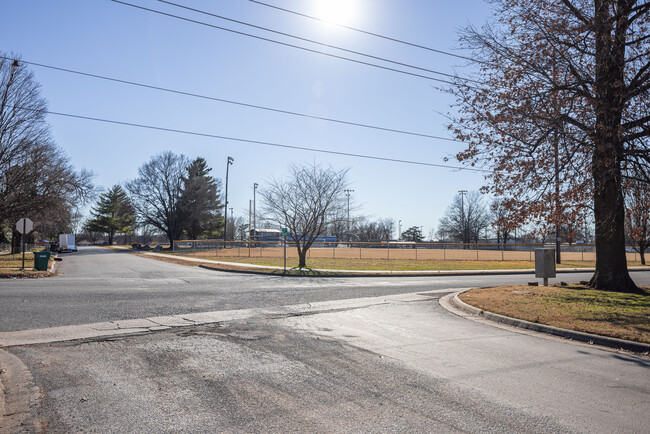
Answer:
(545, 264)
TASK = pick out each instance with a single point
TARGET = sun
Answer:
(336, 11)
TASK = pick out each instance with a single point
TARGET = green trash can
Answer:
(40, 260)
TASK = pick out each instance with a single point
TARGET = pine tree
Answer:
(113, 213)
(200, 203)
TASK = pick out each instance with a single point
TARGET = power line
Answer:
(211, 98)
(311, 50)
(315, 42)
(366, 32)
(256, 142)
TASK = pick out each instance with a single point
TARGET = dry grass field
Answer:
(10, 266)
(394, 259)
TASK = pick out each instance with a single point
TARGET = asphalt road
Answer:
(98, 284)
(402, 365)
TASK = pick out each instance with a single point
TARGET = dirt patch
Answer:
(573, 307)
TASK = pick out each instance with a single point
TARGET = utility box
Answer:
(545, 264)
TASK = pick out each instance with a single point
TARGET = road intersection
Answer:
(260, 353)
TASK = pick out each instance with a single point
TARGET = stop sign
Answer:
(24, 226)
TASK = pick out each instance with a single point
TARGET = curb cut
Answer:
(614, 343)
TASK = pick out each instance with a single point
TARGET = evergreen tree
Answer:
(200, 202)
(113, 213)
(412, 234)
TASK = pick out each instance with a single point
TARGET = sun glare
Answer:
(336, 11)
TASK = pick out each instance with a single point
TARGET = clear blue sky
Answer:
(102, 37)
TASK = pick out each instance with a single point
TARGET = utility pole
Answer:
(462, 214)
(255, 185)
(399, 231)
(250, 205)
(348, 193)
(225, 207)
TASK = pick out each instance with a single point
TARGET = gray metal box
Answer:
(545, 263)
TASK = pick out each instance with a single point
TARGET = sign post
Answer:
(284, 234)
(24, 226)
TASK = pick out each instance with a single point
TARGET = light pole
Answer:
(254, 194)
(348, 193)
(399, 231)
(225, 208)
(462, 214)
(234, 229)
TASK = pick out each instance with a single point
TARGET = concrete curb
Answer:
(619, 344)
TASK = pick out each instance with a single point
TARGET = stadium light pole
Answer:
(462, 213)
(225, 208)
(348, 193)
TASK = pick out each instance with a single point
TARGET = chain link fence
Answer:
(390, 250)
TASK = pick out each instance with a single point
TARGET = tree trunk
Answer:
(609, 210)
(642, 254)
(611, 262)
(302, 259)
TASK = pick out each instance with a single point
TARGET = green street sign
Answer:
(285, 232)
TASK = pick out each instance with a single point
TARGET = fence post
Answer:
(444, 252)
(359, 251)
(477, 250)
(388, 250)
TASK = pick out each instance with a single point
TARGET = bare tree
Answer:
(156, 193)
(464, 219)
(637, 216)
(36, 177)
(501, 220)
(560, 114)
(378, 230)
(310, 199)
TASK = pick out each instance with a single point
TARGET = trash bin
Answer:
(41, 260)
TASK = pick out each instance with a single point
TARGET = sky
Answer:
(106, 38)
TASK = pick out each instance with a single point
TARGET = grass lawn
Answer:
(383, 264)
(293, 272)
(574, 307)
(10, 266)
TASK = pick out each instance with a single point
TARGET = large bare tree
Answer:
(306, 202)
(561, 113)
(156, 193)
(37, 179)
